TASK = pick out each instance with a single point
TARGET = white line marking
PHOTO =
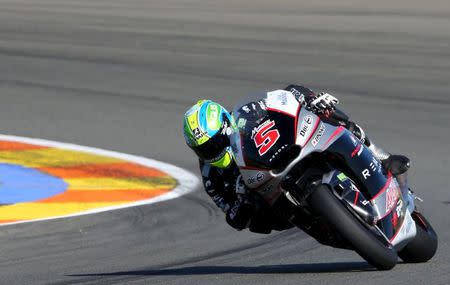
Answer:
(187, 182)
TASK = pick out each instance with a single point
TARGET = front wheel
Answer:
(424, 245)
(366, 244)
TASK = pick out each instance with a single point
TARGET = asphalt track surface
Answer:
(119, 75)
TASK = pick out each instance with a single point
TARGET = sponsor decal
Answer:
(197, 133)
(233, 211)
(265, 137)
(365, 173)
(213, 112)
(266, 189)
(391, 197)
(394, 219)
(282, 98)
(399, 207)
(278, 97)
(241, 123)
(306, 129)
(342, 177)
(397, 213)
(257, 178)
(318, 135)
(262, 105)
(254, 106)
(306, 126)
(308, 119)
(374, 166)
(283, 102)
(259, 127)
(225, 129)
(260, 176)
(300, 97)
(277, 152)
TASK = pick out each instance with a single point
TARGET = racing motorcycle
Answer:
(336, 190)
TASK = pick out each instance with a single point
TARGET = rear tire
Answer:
(366, 244)
(423, 247)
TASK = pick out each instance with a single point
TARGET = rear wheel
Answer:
(423, 247)
(366, 244)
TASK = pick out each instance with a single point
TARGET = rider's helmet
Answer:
(207, 127)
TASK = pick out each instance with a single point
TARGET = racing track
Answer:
(119, 74)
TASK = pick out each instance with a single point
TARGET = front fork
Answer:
(408, 196)
(345, 190)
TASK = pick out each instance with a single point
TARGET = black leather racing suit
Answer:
(220, 183)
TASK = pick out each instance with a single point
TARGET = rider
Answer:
(207, 126)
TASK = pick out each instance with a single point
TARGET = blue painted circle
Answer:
(21, 184)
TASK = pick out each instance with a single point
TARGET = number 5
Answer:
(266, 138)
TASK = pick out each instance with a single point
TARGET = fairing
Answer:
(268, 125)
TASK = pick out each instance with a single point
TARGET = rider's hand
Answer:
(241, 211)
(324, 103)
(240, 214)
(239, 186)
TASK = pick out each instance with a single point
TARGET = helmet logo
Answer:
(224, 128)
(197, 133)
(212, 116)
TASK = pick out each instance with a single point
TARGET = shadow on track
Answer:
(264, 269)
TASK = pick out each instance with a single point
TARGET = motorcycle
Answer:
(336, 190)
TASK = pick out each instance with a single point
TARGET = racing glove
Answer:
(324, 104)
(240, 213)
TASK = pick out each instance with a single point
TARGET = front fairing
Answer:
(266, 125)
(379, 188)
(271, 124)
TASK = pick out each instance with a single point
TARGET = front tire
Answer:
(365, 243)
(424, 245)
